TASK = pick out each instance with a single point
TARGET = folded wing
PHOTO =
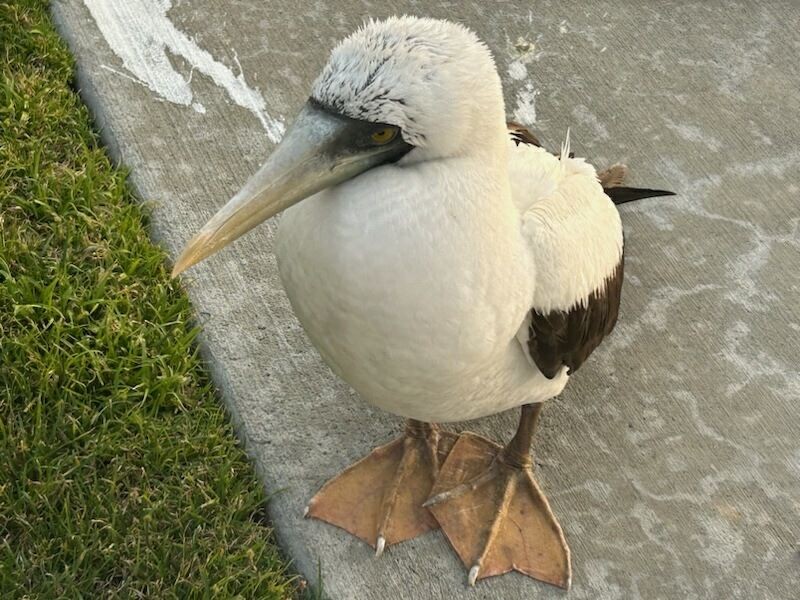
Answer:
(574, 234)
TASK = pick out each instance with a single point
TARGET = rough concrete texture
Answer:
(673, 457)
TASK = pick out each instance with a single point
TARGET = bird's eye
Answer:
(384, 135)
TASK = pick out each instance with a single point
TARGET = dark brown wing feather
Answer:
(522, 135)
(613, 176)
(567, 338)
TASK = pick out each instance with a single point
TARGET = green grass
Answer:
(119, 473)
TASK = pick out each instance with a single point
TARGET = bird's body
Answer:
(447, 268)
(415, 281)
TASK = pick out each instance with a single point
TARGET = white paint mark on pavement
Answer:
(517, 70)
(525, 111)
(141, 34)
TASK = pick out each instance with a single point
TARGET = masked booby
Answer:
(447, 267)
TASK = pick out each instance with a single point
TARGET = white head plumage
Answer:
(434, 79)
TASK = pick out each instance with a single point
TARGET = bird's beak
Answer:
(320, 150)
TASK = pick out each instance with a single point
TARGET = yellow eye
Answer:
(384, 136)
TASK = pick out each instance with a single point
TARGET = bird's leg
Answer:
(379, 498)
(492, 511)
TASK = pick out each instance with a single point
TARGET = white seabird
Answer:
(447, 268)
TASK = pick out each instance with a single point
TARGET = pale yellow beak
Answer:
(320, 150)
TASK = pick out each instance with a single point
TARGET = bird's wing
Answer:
(574, 234)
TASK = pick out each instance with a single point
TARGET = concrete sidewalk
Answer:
(673, 458)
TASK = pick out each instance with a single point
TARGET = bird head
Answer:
(405, 88)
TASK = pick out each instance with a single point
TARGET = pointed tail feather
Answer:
(621, 195)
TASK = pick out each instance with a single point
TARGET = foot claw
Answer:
(305, 512)
(380, 546)
(473, 575)
(433, 500)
